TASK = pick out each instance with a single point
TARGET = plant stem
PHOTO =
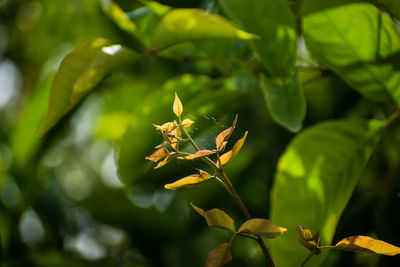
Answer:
(229, 187)
(308, 257)
(392, 117)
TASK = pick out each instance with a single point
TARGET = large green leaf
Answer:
(363, 54)
(79, 73)
(393, 6)
(314, 181)
(274, 22)
(285, 100)
(184, 25)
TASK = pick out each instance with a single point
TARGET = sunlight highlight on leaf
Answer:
(225, 134)
(158, 155)
(178, 107)
(359, 243)
(189, 181)
(199, 154)
(216, 218)
(225, 158)
(262, 227)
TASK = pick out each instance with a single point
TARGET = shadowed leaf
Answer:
(359, 243)
(184, 25)
(262, 227)
(225, 158)
(216, 218)
(225, 134)
(189, 181)
(158, 155)
(199, 154)
(178, 107)
(79, 73)
(306, 238)
(219, 256)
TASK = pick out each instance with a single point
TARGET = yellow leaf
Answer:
(262, 227)
(168, 126)
(165, 161)
(177, 107)
(367, 244)
(216, 218)
(158, 155)
(187, 123)
(220, 255)
(225, 134)
(189, 181)
(199, 154)
(225, 158)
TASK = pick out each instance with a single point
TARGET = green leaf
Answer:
(184, 25)
(219, 256)
(363, 55)
(359, 243)
(216, 218)
(393, 7)
(315, 178)
(118, 16)
(274, 22)
(79, 73)
(262, 227)
(285, 101)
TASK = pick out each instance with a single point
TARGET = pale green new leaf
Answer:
(216, 218)
(185, 25)
(285, 100)
(315, 178)
(79, 73)
(274, 22)
(364, 54)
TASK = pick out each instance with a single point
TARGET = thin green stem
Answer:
(392, 117)
(308, 257)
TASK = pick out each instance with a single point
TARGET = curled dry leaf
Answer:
(199, 154)
(158, 155)
(220, 255)
(225, 158)
(224, 135)
(189, 181)
(262, 227)
(359, 243)
(216, 218)
(177, 107)
(186, 123)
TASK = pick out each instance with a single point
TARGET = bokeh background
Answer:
(61, 200)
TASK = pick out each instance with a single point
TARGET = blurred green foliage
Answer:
(83, 195)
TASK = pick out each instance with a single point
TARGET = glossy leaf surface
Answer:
(363, 55)
(274, 22)
(314, 180)
(79, 73)
(285, 101)
(185, 25)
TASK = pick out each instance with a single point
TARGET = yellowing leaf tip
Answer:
(177, 107)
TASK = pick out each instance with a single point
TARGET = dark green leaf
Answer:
(79, 73)
(285, 100)
(315, 179)
(274, 22)
(393, 7)
(219, 256)
(362, 54)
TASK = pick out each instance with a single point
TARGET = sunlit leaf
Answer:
(219, 256)
(274, 22)
(184, 25)
(225, 158)
(285, 100)
(314, 181)
(79, 73)
(168, 126)
(186, 123)
(363, 55)
(359, 243)
(216, 218)
(199, 154)
(177, 107)
(165, 161)
(118, 16)
(189, 181)
(225, 134)
(262, 227)
(158, 155)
